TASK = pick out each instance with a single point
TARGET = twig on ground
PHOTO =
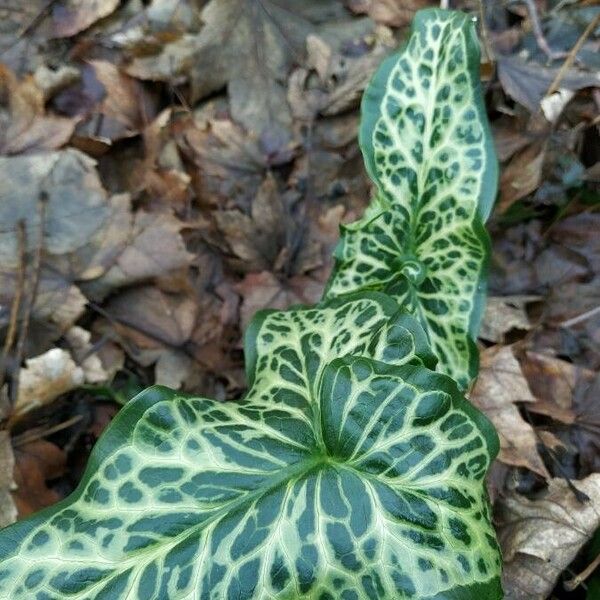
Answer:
(571, 584)
(11, 332)
(582, 317)
(31, 296)
(572, 55)
(35, 22)
(539, 34)
(31, 435)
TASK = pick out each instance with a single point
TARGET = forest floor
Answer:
(168, 167)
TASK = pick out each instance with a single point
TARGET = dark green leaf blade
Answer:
(191, 498)
(428, 149)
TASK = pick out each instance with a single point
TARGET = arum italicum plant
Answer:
(351, 469)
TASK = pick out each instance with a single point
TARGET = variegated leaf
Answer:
(427, 147)
(333, 478)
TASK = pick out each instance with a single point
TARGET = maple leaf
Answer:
(248, 46)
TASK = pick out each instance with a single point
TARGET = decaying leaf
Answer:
(165, 318)
(58, 305)
(528, 82)
(580, 233)
(156, 328)
(154, 247)
(504, 313)
(248, 47)
(79, 342)
(389, 12)
(342, 79)
(541, 537)
(37, 463)
(24, 53)
(122, 108)
(67, 183)
(161, 173)
(72, 16)
(256, 240)
(587, 433)
(522, 175)
(568, 394)
(231, 165)
(553, 382)
(500, 385)
(26, 127)
(265, 290)
(8, 509)
(510, 137)
(173, 369)
(44, 378)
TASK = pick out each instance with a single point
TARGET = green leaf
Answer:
(338, 476)
(428, 149)
(304, 339)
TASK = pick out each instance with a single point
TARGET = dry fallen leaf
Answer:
(164, 318)
(173, 369)
(224, 53)
(256, 240)
(162, 173)
(79, 341)
(504, 313)
(154, 247)
(44, 378)
(157, 328)
(36, 463)
(528, 82)
(569, 394)
(231, 165)
(510, 136)
(265, 290)
(24, 53)
(58, 305)
(553, 382)
(8, 509)
(389, 12)
(66, 182)
(521, 176)
(541, 537)
(580, 233)
(500, 385)
(72, 16)
(26, 127)
(121, 107)
(342, 78)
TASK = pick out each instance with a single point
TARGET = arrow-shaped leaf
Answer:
(428, 149)
(337, 476)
